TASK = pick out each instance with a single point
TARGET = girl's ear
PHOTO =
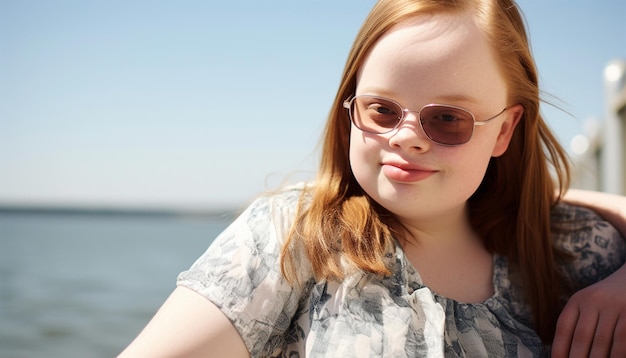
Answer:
(513, 116)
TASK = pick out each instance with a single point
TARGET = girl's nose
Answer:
(410, 134)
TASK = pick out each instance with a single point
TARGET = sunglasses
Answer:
(443, 124)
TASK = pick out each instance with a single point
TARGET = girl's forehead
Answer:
(433, 54)
(431, 38)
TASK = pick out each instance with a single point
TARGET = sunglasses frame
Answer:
(347, 103)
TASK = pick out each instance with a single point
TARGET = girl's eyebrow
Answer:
(378, 92)
(452, 98)
(442, 99)
(456, 98)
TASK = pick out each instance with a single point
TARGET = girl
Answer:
(432, 229)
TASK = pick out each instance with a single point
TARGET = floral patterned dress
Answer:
(371, 316)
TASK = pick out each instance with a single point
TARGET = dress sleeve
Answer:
(597, 249)
(240, 273)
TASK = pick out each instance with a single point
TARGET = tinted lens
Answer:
(447, 125)
(375, 115)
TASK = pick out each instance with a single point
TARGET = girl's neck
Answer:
(449, 256)
(442, 231)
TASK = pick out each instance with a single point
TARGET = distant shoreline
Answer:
(117, 211)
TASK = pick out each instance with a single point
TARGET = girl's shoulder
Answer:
(593, 247)
(277, 208)
(285, 198)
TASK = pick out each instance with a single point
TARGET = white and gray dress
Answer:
(371, 316)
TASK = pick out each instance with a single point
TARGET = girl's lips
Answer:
(406, 173)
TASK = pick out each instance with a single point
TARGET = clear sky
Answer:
(208, 103)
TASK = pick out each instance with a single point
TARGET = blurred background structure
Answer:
(600, 153)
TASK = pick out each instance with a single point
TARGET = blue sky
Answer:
(206, 104)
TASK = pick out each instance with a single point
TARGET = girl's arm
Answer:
(611, 207)
(187, 325)
(593, 322)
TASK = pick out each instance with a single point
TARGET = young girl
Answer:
(432, 229)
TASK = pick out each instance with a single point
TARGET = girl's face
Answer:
(442, 59)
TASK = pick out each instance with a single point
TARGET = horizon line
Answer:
(117, 210)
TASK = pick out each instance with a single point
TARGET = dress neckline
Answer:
(499, 279)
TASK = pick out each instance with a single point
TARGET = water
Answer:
(85, 285)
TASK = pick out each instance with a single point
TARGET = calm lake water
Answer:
(85, 285)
